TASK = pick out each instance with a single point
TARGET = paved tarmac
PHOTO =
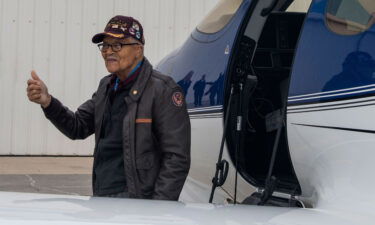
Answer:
(54, 175)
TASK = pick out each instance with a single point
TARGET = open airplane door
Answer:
(258, 80)
(237, 38)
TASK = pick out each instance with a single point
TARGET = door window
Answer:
(349, 17)
(219, 16)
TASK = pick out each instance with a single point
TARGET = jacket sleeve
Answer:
(75, 125)
(172, 128)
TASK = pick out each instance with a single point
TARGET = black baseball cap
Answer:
(121, 27)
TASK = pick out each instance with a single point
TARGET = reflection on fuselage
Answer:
(206, 93)
(357, 70)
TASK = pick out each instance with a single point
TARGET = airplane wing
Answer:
(26, 208)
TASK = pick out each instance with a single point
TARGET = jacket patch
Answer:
(178, 98)
(143, 120)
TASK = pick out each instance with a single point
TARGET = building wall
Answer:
(53, 37)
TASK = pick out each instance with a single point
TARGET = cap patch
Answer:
(178, 98)
(136, 26)
(132, 31)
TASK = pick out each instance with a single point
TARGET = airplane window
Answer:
(299, 6)
(350, 17)
(219, 16)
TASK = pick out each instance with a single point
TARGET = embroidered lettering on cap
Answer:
(178, 98)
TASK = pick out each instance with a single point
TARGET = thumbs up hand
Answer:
(37, 91)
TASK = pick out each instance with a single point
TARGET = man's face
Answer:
(121, 62)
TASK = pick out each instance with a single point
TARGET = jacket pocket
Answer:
(147, 171)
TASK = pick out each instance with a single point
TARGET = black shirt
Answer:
(109, 168)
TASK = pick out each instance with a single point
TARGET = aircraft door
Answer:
(239, 69)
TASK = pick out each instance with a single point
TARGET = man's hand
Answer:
(37, 91)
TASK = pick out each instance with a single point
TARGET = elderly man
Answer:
(139, 117)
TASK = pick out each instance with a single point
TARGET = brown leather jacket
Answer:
(156, 132)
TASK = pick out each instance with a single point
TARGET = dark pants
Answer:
(198, 95)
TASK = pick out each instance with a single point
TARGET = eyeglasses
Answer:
(115, 47)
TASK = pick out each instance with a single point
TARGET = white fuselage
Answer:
(206, 135)
(333, 166)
